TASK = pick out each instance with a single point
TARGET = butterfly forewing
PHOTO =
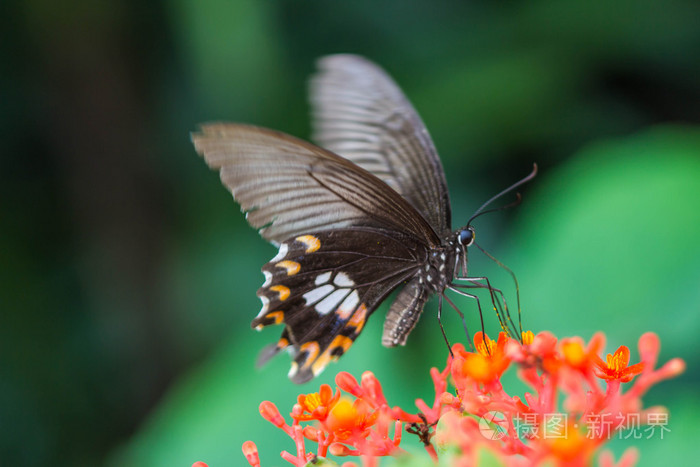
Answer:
(289, 187)
(323, 287)
(361, 114)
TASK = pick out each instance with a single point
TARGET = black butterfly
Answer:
(350, 229)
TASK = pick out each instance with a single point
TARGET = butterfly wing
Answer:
(323, 286)
(346, 238)
(289, 187)
(361, 114)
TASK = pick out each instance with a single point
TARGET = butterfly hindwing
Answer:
(323, 287)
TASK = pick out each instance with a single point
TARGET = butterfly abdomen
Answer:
(404, 313)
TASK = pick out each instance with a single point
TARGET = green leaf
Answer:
(609, 242)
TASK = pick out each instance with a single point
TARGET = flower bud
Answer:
(269, 412)
(340, 450)
(348, 383)
(649, 347)
(250, 451)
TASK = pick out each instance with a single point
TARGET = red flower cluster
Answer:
(566, 418)
(342, 426)
(565, 374)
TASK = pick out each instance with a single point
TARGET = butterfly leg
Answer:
(515, 281)
(502, 311)
(461, 315)
(516, 334)
(474, 284)
(439, 317)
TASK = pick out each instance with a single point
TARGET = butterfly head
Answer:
(466, 235)
(464, 238)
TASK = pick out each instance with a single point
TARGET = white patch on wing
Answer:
(342, 280)
(293, 370)
(323, 278)
(331, 302)
(268, 278)
(346, 308)
(284, 248)
(265, 302)
(318, 293)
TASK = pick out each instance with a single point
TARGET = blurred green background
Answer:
(129, 275)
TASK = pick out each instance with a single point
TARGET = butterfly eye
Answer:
(466, 236)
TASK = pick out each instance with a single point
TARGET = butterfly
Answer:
(365, 212)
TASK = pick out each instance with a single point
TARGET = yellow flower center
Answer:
(347, 418)
(528, 337)
(619, 360)
(311, 401)
(478, 367)
(486, 347)
(574, 353)
(344, 414)
(571, 446)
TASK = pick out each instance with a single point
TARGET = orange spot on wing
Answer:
(358, 318)
(312, 348)
(282, 343)
(343, 313)
(292, 267)
(342, 342)
(282, 290)
(278, 316)
(321, 363)
(312, 243)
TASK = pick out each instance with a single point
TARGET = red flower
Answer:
(572, 448)
(316, 405)
(485, 365)
(580, 358)
(348, 419)
(616, 369)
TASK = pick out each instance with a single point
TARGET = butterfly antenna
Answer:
(518, 200)
(517, 291)
(515, 185)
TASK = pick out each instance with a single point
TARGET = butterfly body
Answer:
(351, 229)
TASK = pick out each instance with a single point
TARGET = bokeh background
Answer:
(129, 275)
